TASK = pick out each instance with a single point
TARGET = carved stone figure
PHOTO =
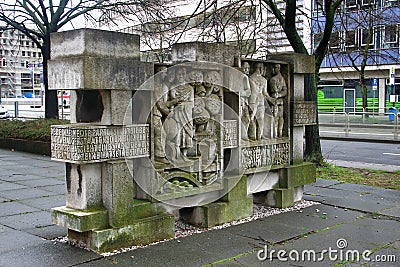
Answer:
(160, 110)
(212, 82)
(257, 97)
(278, 90)
(179, 124)
(244, 101)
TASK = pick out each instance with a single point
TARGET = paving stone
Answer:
(17, 241)
(40, 182)
(20, 177)
(365, 205)
(25, 193)
(313, 218)
(354, 187)
(383, 223)
(45, 203)
(11, 208)
(48, 232)
(325, 183)
(27, 220)
(59, 189)
(195, 250)
(47, 253)
(5, 186)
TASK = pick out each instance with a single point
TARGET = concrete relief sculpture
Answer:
(198, 138)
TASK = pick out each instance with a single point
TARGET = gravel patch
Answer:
(183, 229)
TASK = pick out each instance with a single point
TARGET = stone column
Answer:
(102, 69)
(293, 178)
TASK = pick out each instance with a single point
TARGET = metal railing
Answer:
(32, 109)
(366, 125)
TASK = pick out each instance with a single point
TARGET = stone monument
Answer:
(198, 139)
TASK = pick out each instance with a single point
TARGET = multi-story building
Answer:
(248, 24)
(20, 65)
(364, 30)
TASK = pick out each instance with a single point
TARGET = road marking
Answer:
(392, 154)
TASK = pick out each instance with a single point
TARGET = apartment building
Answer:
(364, 30)
(20, 65)
(248, 24)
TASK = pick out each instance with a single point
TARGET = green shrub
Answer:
(38, 130)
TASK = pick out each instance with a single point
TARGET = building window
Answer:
(318, 9)
(390, 36)
(334, 41)
(22, 64)
(23, 53)
(351, 4)
(39, 54)
(33, 54)
(367, 2)
(367, 37)
(317, 39)
(351, 38)
(389, 3)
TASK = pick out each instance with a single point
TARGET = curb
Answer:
(31, 146)
(353, 139)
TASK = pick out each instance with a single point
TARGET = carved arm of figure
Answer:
(246, 87)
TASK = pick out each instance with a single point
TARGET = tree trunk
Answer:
(313, 145)
(51, 102)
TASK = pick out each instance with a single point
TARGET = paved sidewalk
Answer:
(366, 133)
(368, 218)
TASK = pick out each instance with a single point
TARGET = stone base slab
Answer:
(141, 232)
(79, 220)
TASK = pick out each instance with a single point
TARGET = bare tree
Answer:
(286, 16)
(37, 19)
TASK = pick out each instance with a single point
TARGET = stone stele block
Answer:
(297, 175)
(83, 186)
(79, 220)
(299, 63)
(284, 197)
(235, 205)
(211, 52)
(118, 194)
(94, 43)
(91, 73)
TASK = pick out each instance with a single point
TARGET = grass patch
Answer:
(382, 179)
(38, 130)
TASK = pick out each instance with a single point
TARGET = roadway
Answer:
(368, 152)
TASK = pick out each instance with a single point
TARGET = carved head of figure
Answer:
(246, 68)
(258, 68)
(212, 78)
(196, 77)
(162, 70)
(276, 68)
(180, 75)
(170, 75)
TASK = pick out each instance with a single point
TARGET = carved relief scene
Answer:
(264, 111)
(186, 123)
(264, 101)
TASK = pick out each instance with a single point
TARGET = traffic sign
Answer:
(375, 84)
(391, 75)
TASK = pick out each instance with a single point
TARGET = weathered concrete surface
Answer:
(26, 232)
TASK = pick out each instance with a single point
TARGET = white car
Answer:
(4, 114)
